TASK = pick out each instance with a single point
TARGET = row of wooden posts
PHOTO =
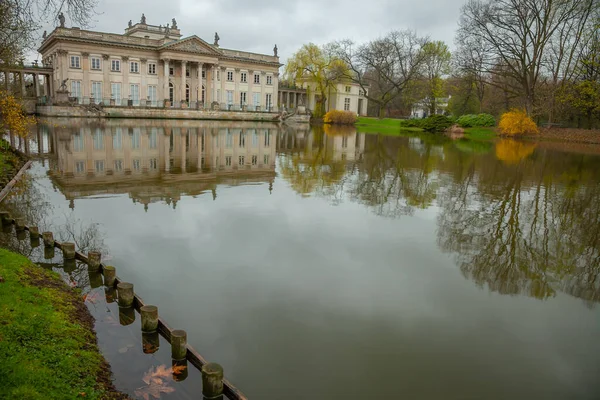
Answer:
(214, 385)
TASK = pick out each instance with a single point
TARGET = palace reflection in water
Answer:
(370, 231)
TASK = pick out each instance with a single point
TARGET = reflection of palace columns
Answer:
(183, 138)
(166, 139)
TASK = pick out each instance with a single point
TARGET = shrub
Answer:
(340, 117)
(436, 123)
(516, 122)
(476, 120)
(410, 123)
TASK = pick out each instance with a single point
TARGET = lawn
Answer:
(48, 347)
(386, 126)
(480, 133)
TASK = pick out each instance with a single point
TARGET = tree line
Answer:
(539, 55)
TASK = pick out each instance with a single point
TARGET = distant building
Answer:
(154, 63)
(421, 108)
(344, 96)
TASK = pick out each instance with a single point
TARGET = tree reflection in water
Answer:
(522, 222)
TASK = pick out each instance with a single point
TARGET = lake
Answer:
(328, 264)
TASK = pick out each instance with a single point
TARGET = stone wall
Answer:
(153, 113)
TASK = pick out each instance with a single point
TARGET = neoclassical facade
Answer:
(153, 65)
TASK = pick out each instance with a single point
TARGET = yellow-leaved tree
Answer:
(12, 116)
(316, 67)
(517, 122)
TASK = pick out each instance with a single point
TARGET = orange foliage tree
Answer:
(512, 152)
(13, 117)
(517, 122)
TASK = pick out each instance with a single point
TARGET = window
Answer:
(242, 142)
(134, 94)
(152, 93)
(255, 138)
(203, 74)
(95, 63)
(218, 75)
(118, 139)
(230, 76)
(118, 165)
(360, 92)
(267, 139)
(228, 161)
(115, 92)
(80, 167)
(228, 139)
(243, 77)
(134, 67)
(152, 68)
(76, 89)
(97, 91)
(136, 165)
(153, 138)
(229, 94)
(99, 166)
(268, 100)
(241, 160)
(243, 98)
(344, 142)
(348, 89)
(75, 62)
(115, 65)
(266, 159)
(269, 79)
(78, 142)
(153, 164)
(256, 98)
(98, 139)
(256, 78)
(171, 71)
(347, 104)
(135, 138)
(187, 72)
(254, 160)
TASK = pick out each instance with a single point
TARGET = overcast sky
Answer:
(256, 25)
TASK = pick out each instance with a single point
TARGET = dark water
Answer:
(320, 265)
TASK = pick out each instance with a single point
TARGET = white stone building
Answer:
(344, 96)
(153, 65)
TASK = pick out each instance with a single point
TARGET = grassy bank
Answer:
(480, 133)
(48, 347)
(10, 163)
(386, 126)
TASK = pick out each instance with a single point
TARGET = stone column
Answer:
(287, 103)
(125, 90)
(250, 94)
(22, 75)
(201, 82)
(63, 65)
(193, 79)
(223, 80)
(263, 81)
(36, 85)
(106, 77)
(214, 73)
(86, 88)
(166, 79)
(143, 88)
(183, 78)
(236, 93)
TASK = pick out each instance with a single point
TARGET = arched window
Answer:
(171, 94)
(187, 93)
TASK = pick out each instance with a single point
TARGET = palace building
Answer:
(152, 65)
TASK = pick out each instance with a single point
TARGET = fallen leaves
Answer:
(157, 381)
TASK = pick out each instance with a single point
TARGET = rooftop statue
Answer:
(174, 23)
(143, 20)
(61, 19)
(275, 51)
(217, 38)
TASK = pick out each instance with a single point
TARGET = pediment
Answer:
(192, 44)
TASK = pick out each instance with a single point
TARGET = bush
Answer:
(476, 120)
(410, 123)
(436, 123)
(340, 117)
(516, 122)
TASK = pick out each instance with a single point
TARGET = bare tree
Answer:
(384, 67)
(516, 36)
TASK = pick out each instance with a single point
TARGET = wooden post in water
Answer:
(68, 250)
(178, 344)
(20, 224)
(212, 381)
(49, 253)
(149, 318)
(48, 239)
(94, 260)
(125, 294)
(34, 233)
(110, 274)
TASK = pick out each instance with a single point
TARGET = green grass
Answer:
(385, 126)
(480, 133)
(45, 351)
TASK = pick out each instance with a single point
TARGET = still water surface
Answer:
(322, 265)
